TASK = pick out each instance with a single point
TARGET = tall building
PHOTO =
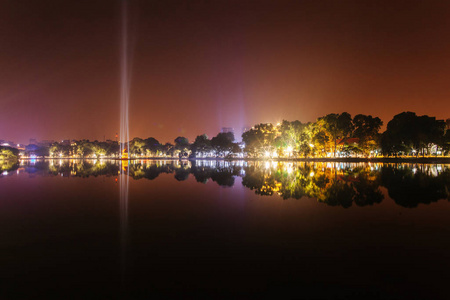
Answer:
(238, 135)
(227, 130)
(448, 123)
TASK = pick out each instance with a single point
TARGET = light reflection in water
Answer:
(336, 184)
(381, 229)
(124, 181)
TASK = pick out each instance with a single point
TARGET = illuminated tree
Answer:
(294, 138)
(168, 149)
(84, 148)
(260, 139)
(338, 126)
(99, 148)
(8, 153)
(321, 140)
(446, 143)
(137, 146)
(366, 130)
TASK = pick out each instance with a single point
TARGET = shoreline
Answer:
(429, 160)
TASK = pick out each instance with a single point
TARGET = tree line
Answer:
(333, 135)
(340, 135)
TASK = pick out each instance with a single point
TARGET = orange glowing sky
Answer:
(198, 66)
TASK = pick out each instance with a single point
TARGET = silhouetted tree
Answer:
(201, 145)
(182, 146)
(222, 143)
(407, 132)
(366, 130)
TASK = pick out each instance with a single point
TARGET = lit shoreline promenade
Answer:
(380, 159)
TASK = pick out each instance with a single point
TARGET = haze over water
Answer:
(225, 229)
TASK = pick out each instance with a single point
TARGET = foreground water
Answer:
(224, 229)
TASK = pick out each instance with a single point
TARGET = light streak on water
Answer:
(124, 182)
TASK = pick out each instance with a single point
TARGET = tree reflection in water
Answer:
(409, 186)
(332, 183)
(8, 166)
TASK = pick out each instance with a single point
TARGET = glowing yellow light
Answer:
(125, 154)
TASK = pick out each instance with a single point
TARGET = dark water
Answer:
(224, 230)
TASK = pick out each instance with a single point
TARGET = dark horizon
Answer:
(198, 66)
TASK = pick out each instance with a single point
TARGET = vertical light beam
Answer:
(124, 82)
(124, 135)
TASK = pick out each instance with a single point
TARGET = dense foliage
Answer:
(8, 153)
(333, 135)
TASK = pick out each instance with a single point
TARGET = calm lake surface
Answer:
(225, 229)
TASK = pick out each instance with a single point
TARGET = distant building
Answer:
(33, 141)
(45, 143)
(239, 132)
(227, 130)
(448, 123)
(65, 142)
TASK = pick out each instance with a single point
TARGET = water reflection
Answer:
(8, 166)
(124, 182)
(418, 184)
(335, 184)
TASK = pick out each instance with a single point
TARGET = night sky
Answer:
(198, 66)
